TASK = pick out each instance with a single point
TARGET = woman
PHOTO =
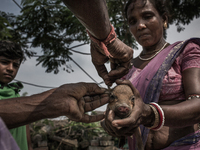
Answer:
(166, 74)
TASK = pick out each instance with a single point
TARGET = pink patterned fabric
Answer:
(172, 88)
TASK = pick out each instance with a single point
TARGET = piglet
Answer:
(122, 103)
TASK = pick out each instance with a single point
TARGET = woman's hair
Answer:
(158, 4)
(11, 50)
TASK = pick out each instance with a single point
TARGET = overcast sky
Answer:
(31, 73)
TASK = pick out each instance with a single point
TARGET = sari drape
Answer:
(149, 81)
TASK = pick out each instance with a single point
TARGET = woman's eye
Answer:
(132, 21)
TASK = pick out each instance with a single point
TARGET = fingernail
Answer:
(120, 80)
(115, 125)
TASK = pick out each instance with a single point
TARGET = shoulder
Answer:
(190, 55)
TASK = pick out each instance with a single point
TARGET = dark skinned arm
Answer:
(185, 113)
(71, 100)
(92, 14)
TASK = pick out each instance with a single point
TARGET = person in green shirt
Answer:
(11, 56)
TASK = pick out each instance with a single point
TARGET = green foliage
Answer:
(10, 24)
(87, 130)
(67, 130)
(51, 26)
(183, 12)
(4, 30)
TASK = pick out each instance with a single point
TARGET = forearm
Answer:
(24, 110)
(93, 14)
(182, 114)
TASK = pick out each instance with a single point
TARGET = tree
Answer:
(50, 25)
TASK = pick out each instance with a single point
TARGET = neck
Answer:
(154, 48)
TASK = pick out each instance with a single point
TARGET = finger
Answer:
(102, 70)
(95, 97)
(93, 89)
(110, 129)
(87, 98)
(126, 122)
(111, 115)
(113, 66)
(103, 125)
(99, 101)
(118, 72)
(89, 118)
(81, 105)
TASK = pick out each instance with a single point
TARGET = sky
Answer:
(31, 73)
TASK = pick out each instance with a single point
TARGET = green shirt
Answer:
(10, 91)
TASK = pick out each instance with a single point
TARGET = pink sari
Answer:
(149, 81)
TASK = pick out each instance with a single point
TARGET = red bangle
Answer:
(192, 96)
(110, 38)
(161, 116)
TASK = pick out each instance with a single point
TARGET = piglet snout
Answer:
(122, 111)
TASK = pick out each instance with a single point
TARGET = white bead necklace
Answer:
(145, 59)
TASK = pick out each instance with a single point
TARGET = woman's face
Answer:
(145, 23)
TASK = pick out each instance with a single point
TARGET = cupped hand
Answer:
(127, 126)
(74, 100)
(120, 61)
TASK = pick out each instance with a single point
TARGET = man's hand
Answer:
(120, 62)
(74, 100)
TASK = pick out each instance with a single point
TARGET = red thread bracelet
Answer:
(110, 38)
(161, 116)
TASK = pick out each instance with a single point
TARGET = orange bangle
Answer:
(110, 38)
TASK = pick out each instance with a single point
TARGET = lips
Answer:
(8, 75)
(143, 35)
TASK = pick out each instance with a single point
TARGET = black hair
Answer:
(158, 4)
(11, 50)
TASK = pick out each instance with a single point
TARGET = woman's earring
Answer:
(165, 25)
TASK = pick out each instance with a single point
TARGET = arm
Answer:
(71, 100)
(92, 14)
(187, 112)
(29, 109)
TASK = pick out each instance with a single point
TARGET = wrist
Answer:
(103, 43)
(159, 118)
(149, 117)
